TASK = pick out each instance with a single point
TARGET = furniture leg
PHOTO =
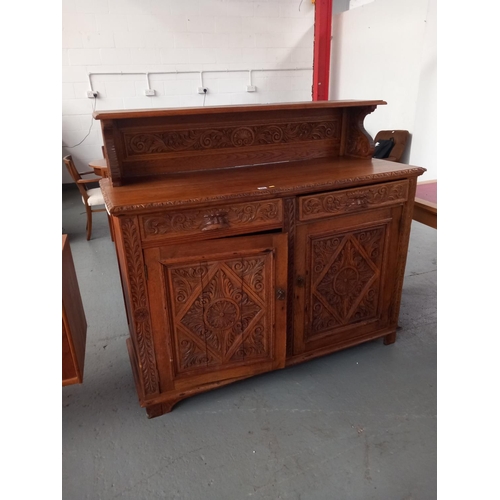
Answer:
(390, 339)
(89, 222)
(159, 409)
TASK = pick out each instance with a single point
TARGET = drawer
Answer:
(318, 206)
(213, 222)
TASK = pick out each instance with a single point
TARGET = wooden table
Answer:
(100, 167)
(425, 208)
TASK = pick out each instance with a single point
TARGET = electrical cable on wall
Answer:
(90, 129)
(250, 86)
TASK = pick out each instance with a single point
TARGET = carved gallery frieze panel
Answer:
(216, 138)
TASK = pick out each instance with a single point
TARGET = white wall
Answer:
(172, 35)
(387, 50)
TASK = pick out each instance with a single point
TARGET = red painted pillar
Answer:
(322, 49)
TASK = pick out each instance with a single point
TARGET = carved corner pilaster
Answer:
(358, 142)
(139, 314)
(289, 227)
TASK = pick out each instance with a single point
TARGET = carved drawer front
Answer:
(345, 201)
(222, 220)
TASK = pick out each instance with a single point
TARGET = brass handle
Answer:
(215, 220)
(280, 294)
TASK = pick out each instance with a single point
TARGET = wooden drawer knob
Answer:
(215, 220)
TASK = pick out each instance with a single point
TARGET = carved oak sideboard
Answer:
(251, 238)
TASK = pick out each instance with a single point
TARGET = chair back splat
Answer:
(76, 176)
(400, 138)
(91, 197)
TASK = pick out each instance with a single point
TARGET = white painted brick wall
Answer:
(213, 36)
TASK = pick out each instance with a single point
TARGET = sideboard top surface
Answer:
(257, 181)
(232, 108)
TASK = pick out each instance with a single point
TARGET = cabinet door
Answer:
(218, 308)
(346, 273)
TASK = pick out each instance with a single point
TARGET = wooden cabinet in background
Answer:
(74, 323)
(250, 238)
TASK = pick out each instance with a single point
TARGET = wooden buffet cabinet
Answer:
(251, 238)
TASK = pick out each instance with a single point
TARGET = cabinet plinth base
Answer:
(389, 338)
(159, 409)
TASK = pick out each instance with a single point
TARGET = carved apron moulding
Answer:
(123, 209)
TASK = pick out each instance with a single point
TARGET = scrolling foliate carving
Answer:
(359, 142)
(139, 304)
(229, 137)
(175, 222)
(345, 280)
(353, 199)
(267, 211)
(254, 345)
(193, 356)
(252, 273)
(185, 280)
(322, 318)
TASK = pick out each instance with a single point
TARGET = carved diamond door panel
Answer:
(221, 317)
(344, 267)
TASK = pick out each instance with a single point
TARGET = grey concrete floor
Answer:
(359, 424)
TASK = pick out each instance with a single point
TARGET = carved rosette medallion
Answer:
(242, 136)
(138, 144)
(345, 283)
(221, 313)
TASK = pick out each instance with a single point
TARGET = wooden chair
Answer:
(91, 197)
(400, 139)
